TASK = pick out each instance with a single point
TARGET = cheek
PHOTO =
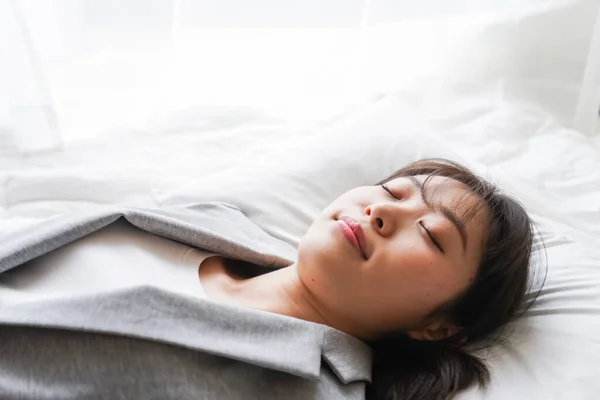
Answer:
(410, 260)
(413, 276)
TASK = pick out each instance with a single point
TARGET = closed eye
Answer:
(384, 186)
(429, 234)
(431, 237)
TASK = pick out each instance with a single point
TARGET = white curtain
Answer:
(71, 69)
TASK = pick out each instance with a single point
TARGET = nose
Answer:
(387, 218)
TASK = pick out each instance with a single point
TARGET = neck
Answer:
(280, 292)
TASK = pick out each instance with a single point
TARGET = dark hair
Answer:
(409, 369)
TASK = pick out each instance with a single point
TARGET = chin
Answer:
(324, 245)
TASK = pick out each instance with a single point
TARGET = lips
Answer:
(354, 233)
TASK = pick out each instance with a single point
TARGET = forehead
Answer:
(447, 191)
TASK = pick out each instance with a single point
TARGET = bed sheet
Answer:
(554, 171)
(126, 167)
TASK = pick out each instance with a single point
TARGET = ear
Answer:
(434, 330)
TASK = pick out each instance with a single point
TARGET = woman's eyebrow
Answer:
(448, 213)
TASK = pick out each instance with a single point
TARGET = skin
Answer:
(405, 279)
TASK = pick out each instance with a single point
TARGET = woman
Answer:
(431, 259)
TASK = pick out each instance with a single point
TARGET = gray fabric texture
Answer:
(148, 343)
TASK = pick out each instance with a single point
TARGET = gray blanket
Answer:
(147, 343)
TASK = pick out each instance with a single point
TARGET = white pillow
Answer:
(285, 188)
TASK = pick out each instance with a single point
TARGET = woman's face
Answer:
(418, 251)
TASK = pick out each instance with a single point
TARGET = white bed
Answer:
(282, 180)
(281, 175)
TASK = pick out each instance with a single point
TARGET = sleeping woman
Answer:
(421, 265)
